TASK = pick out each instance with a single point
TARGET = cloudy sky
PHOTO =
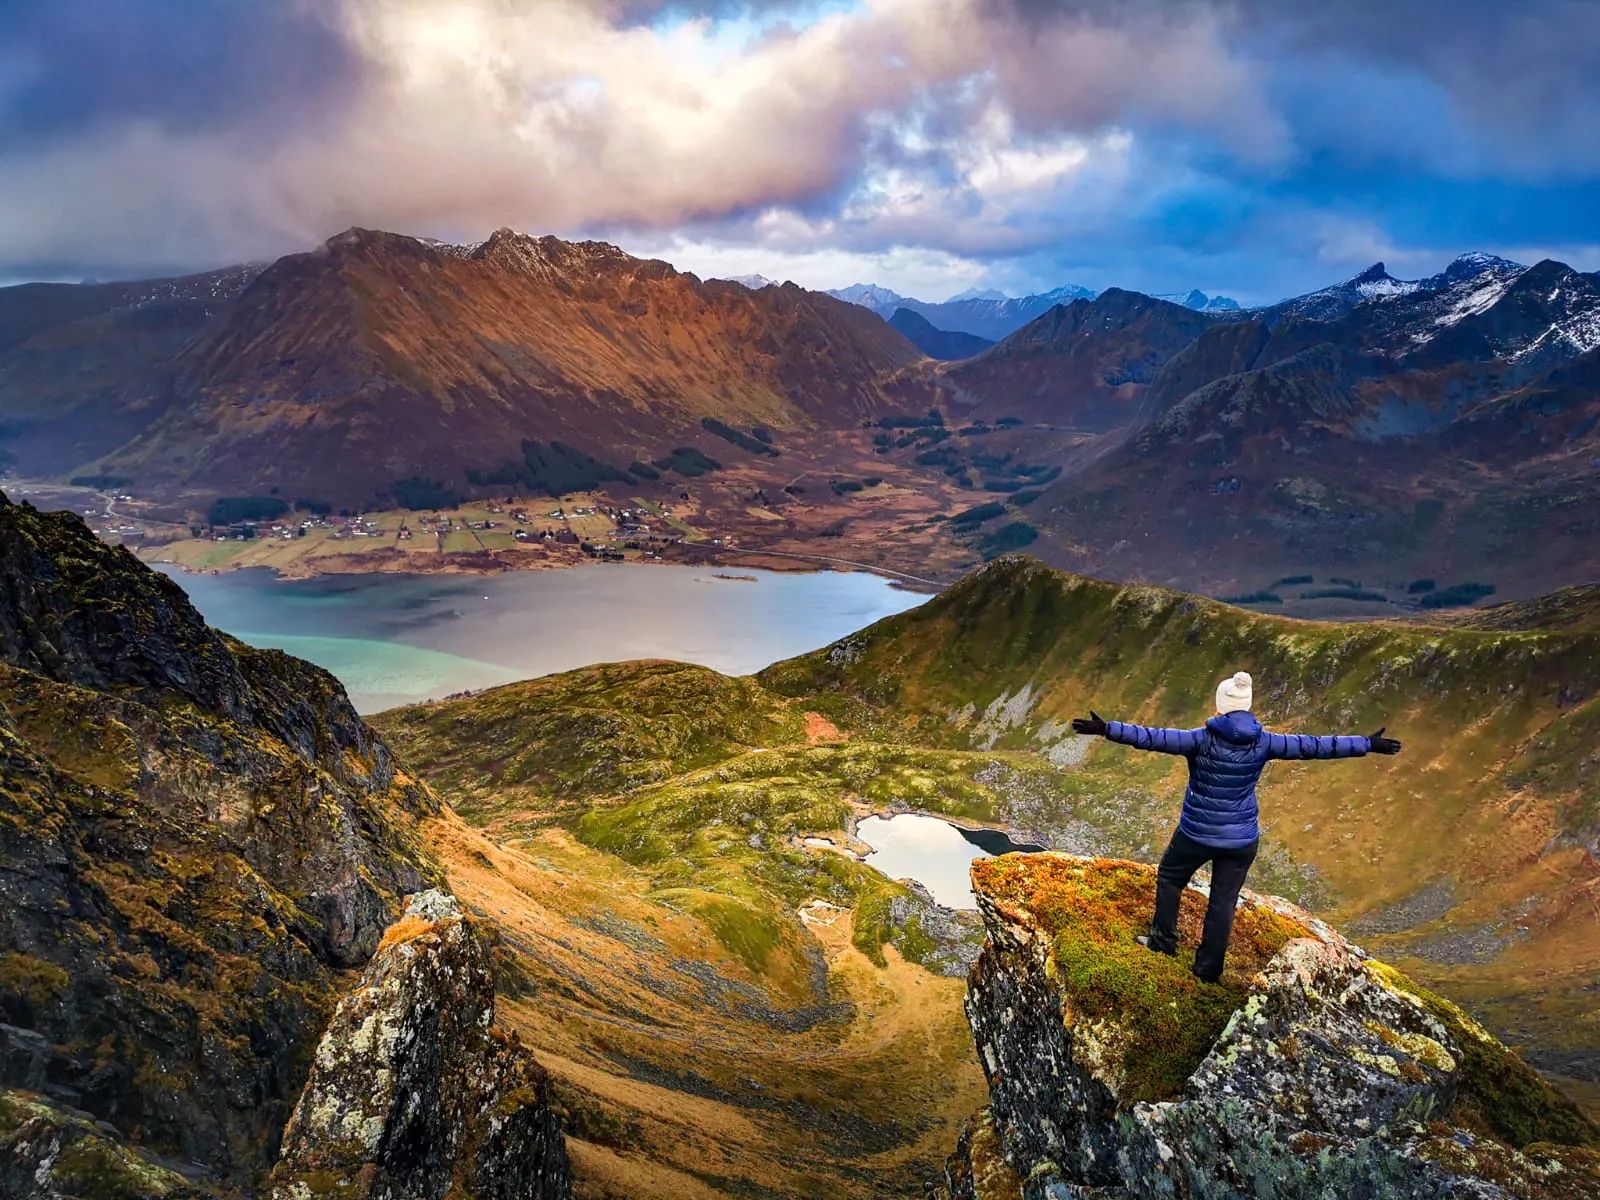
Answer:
(1254, 147)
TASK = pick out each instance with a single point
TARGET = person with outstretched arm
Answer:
(1219, 823)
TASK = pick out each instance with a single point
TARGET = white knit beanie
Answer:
(1235, 693)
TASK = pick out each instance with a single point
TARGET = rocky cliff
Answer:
(1310, 1070)
(196, 839)
(413, 1095)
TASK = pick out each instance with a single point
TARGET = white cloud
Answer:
(912, 271)
(469, 114)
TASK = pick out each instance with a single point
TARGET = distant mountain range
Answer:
(993, 315)
(1081, 364)
(1444, 425)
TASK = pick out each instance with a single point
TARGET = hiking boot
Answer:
(1144, 940)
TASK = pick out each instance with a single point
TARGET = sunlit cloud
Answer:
(1014, 139)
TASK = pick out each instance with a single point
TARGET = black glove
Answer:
(1094, 724)
(1384, 745)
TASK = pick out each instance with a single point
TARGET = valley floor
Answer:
(679, 1071)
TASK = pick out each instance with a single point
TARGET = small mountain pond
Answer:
(933, 852)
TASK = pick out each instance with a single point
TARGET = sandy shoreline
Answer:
(491, 563)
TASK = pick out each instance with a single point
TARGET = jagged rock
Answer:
(1309, 1071)
(978, 1169)
(413, 1095)
(195, 838)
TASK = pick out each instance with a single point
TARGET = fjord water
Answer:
(933, 852)
(397, 639)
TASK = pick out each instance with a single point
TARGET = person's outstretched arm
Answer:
(1339, 745)
(1140, 737)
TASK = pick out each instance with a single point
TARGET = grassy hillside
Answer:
(1471, 857)
(686, 798)
(728, 1011)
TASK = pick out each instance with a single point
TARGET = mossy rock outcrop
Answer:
(1310, 1070)
(48, 1152)
(196, 839)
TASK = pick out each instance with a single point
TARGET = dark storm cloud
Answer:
(72, 68)
(1525, 73)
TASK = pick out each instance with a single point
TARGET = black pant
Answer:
(1183, 858)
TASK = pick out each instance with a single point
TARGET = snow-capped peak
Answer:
(1376, 281)
(1199, 301)
(869, 295)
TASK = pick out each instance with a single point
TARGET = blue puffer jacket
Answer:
(1226, 758)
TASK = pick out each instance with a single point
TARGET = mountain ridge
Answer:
(941, 344)
(337, 369)
(993, 315)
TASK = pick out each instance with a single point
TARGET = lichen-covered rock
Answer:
(49, 1153)
(1308, 1071)
(413, 1095)
(978, 1169)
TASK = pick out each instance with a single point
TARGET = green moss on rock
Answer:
(1153, 1020)
(1500, 1096)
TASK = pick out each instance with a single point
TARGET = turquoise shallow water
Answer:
(397, 639)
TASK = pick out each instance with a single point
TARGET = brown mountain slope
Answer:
(379, 357)
(80, 364)
(1322, 460)
(1081, 365)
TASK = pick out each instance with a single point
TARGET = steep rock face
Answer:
(413, 1096)
(194, 837)
(1309, 1071)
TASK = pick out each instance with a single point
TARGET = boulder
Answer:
(49, 1152)
(1310, 1070)
(413, 1095)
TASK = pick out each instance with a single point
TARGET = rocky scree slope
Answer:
(413, 1093)
(196, 839)
(1309, 1070)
